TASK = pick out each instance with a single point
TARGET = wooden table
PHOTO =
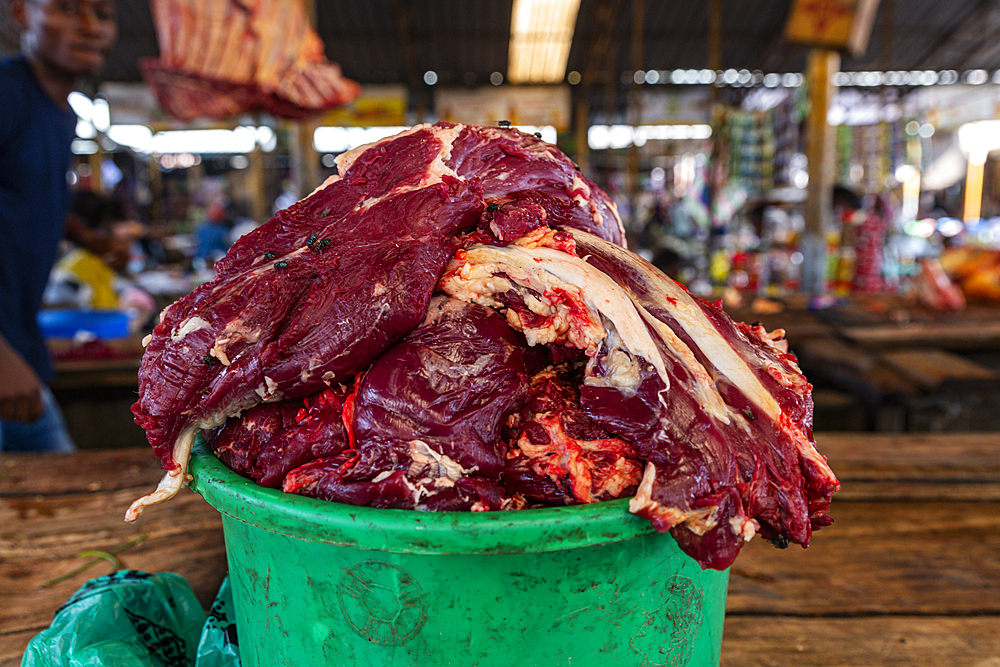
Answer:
(909, 574)
(96, 389)
(885, 363)
(878, 321)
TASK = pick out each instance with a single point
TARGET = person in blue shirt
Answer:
(62, 41)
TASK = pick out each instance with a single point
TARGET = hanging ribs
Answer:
(221, 58)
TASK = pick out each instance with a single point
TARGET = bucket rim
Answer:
(410, 531)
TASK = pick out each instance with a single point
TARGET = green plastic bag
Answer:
(219, 645)
(137, 619)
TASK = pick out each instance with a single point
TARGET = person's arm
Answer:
(20, 388)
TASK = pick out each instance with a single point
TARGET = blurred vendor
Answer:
(61, 43)
(92, 275)
(213, 231)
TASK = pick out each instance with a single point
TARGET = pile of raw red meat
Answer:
(453, 323)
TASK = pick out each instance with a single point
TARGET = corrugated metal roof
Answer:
(396, 41)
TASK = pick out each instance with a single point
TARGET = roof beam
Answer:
(411, 65)
(954, 49)
(605, 17)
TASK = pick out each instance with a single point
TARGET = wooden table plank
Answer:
(775, 641)
(879, 558)
(887, 641)
(931, 368)
(907, 574)
(43, 535)
(914, 466)
(91, 471)
(953, 334)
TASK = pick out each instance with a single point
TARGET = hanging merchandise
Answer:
(845, 154)
(868, 154)
(752, 149)
(897, 145)
(785, 125)
(869, 247)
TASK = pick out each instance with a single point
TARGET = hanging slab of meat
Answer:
(320, 291)
(220, 58)
(719, 412)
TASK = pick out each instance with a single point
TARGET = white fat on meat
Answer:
(773, 339)
(187, 326)
(548, 272)
(721, 354)
(622, 369)
(433, 466)
(177, 478)
(173, 481)
(601, 294)
(702, 386)
(268, 391)
(234, 332)
(582, 195)
(473, 276)
(699, 521)
(737, 370)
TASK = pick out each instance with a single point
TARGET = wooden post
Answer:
(157, 200)
(635, 108)
(194, 176)
(260, 209)
(94, 161)
(305, 165)
(716, 112)
(972, 205)
(715, 41)
(582, 127)
(600, 49)
(820, 152)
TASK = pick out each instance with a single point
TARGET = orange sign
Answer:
(839, 24)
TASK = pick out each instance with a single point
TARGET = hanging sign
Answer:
(521, 105)
(835, 24)
(376, 106)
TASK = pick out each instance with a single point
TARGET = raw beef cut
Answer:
(720, 413)
(558, 454)
(453, 323)
(431, 411)
(317, 293)
(270, 439)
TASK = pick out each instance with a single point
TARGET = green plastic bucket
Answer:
(319, 583)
